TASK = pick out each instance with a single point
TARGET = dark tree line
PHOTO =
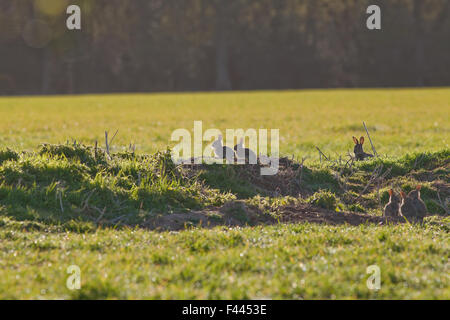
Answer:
(178, 45)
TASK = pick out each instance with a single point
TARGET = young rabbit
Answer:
(221, 151)
(407, 208)
(359, 152)
(421, 208)
(392, 209)
(241, 153)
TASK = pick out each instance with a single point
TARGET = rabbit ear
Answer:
(241, 141)
(418, 187)
(355, 140)
(391, 192)
(361, 141)
(219, 137)
(403, 194)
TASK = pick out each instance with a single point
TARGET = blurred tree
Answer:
(172, 45)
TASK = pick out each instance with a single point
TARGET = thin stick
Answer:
(114, 136)
(373, 148)
(85, 203)
(320, 152)
(374, 176)
(102, 213)
(60, 201)
(106, 143)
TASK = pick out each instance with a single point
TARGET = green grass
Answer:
(400, 121)
(277, 262)
(65, 204)
(61, 183)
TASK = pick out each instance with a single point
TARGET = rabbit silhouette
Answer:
(221, 151)
(392, 208)
(358, 150)
(245, 153)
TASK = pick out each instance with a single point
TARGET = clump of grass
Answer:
(356, 207)
(237, 211)
(409, 162)
(8, 154)
(98, 290)
(325, 199)
(227, 179)
(77, 152)
(270, 205)
(320, 178)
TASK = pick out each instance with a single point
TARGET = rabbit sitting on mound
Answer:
(245, 153)
(419, 205)
(359, 152)
(407, 208)
(392, 209)
(221, 151)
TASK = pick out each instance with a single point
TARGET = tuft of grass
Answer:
(320, 178)
(227, 179)
(8, 154)
(409, 162)
(325, 199)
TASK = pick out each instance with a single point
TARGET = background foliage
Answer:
(172, 45)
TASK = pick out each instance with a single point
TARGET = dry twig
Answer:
(376, 176)
(373, 148)
(322, 154)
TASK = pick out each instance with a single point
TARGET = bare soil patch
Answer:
(238, 214)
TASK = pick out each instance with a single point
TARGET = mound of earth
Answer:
(60, 184)
(287, 182)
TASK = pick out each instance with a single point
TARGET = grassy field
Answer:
(64, 204)
(277, 262)
(401, 121)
